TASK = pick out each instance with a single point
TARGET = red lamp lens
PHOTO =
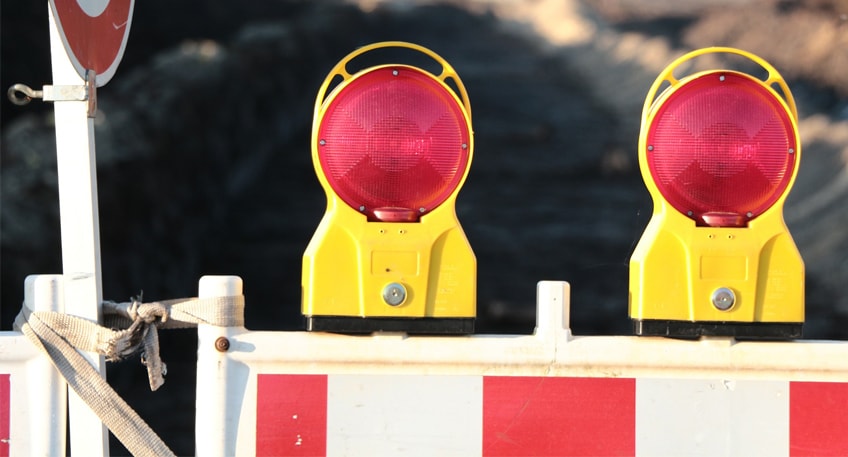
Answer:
(393, 143)
(721, 149)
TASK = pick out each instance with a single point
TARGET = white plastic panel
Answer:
(33, 398)
(550, 393)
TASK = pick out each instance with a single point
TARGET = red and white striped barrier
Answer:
(297, 393)
(342, 414)
(33, 397)
(5, 402)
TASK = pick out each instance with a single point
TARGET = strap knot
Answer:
(147, 312)
(128, 328)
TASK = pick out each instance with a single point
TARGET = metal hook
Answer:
(21, 94)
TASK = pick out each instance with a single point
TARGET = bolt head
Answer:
(394, 294)
(723, 298)
(222, 344)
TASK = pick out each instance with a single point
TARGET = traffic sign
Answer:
(94, 33)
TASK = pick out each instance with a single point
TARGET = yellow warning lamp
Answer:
(719, 151)
(391, 145)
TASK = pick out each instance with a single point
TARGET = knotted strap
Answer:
(129, 328)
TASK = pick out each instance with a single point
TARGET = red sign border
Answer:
(94, 43)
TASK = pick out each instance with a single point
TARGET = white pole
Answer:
(216, 417)
(47, 392)
(80, 234)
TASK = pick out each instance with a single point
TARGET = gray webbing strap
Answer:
(113, 411)
(62, 336)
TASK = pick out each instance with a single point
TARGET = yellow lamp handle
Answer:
(341, 70)
(667, 75)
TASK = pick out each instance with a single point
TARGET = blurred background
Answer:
(204, 164)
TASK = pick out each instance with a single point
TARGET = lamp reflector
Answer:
(721, 149)
(393, 143)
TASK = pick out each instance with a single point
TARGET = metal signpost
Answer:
(87, 40)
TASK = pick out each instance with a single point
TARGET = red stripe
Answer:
(5, 406)
(291, 415)
(547, 416)
(818, 419)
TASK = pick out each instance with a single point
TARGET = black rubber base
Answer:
(687, 329)
(424, 325)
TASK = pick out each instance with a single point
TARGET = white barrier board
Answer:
(297, 393)
(33, 398)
